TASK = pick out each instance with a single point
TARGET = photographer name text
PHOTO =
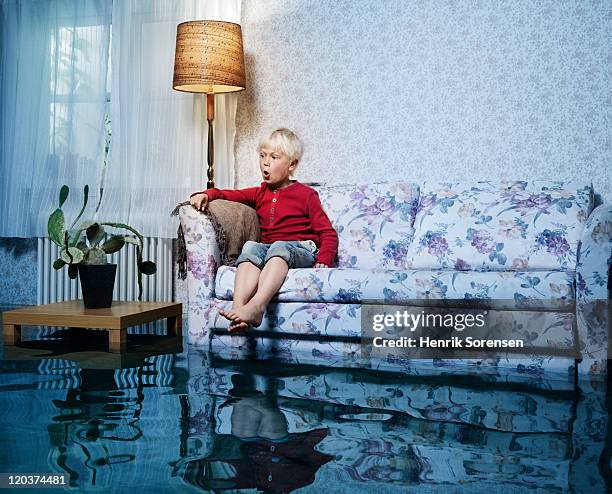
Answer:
(453, 342)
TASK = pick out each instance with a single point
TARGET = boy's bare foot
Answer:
(238, 327)
(234, 322)
(243, 317)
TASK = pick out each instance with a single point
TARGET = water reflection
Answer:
(388, 429)
(190, 421)
(92, 422)
(259, 452)
(101, 413)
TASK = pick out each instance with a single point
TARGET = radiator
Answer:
(55, 286)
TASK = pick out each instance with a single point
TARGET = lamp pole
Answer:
(210, 116)
(209, 59)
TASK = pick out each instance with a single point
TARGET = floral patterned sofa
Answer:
(539, 246)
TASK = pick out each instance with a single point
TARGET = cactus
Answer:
(89, 243)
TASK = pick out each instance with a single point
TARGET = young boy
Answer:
(295, 231)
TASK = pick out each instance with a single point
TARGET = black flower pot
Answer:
(97, 283)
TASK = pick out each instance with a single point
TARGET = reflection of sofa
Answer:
(391, 428)
(530, 246)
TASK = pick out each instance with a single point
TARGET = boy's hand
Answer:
(321, 265)
(199, 201)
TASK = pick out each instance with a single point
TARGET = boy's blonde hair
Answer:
(284, 141)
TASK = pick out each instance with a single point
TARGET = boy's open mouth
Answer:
(266, 175)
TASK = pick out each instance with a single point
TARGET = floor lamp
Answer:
(209, 59)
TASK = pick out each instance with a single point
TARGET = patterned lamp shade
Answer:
(209, 57)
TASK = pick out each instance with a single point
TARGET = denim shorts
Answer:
(297, 253)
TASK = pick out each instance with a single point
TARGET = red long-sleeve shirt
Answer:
(290, 213)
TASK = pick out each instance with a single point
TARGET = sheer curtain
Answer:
(158, 149)
(53, 103)
(53, 95)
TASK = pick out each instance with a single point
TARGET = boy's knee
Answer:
(284, 258)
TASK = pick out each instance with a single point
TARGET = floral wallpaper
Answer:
(430, 90)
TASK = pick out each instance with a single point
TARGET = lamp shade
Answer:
(209, 57)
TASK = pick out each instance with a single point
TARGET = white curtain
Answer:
(53, 95)
(158, 150)
(53, 102)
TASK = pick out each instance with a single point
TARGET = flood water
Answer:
(170, 418)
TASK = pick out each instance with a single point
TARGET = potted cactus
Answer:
(84, 250)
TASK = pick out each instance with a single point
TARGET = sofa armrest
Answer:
(592, 299)
(595, 255)
(203, 260)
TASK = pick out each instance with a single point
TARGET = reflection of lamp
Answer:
(209, 59)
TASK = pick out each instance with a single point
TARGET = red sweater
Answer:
(291, 213)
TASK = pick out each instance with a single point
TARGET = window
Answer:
(78, 85)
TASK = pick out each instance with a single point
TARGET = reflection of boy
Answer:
(261, 452)
(258, 417)
(296, 232)
(255, 414)
(280, 467)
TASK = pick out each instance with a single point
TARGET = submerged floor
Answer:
(168, 418)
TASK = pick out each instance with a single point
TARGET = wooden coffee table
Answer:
(73, 313)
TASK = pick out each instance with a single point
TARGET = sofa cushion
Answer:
(374, 222)
(507, 290)
(506, 226)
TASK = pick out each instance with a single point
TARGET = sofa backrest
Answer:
(374, 222)
(499, 226)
